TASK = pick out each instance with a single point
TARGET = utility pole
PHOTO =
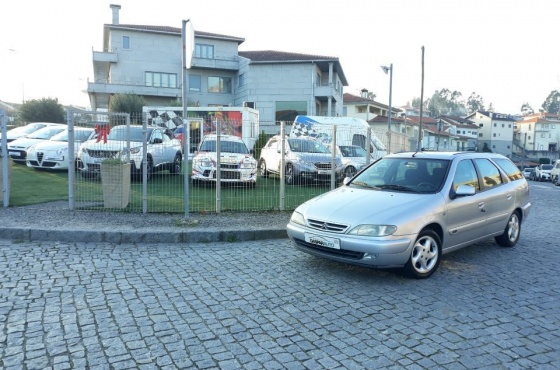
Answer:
(419, 145)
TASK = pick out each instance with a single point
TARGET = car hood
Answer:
(224, 157)
(112, 145)
(354, 206)
(53, 145)
(312, 157)
(24, 142)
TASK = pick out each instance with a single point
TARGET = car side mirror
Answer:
(464, 190)
(346, 180)
(157, 141)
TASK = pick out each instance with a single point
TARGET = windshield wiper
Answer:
(363, 184)
(395, 187)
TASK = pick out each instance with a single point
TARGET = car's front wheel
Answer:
(511, 234)
(425, 256)
(176, 166)
(289, 176)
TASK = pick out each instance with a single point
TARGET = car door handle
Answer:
(481, 207)
(508, 196)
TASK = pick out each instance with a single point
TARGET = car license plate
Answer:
(322, 241)
(13, 154)
(324, 172)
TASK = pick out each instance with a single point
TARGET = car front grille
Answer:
(229, 175)
(323, 165)
(341, 253)
(327, 226)
(229, 166)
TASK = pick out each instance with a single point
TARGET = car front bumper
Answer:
(356, 250)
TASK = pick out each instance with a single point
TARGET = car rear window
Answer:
(511, 170)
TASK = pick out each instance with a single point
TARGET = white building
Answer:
(495, 131)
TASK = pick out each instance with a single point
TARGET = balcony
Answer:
(225, 64)
(104, 57)
(323, 92)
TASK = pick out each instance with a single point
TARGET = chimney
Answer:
(115, 9)
(364, 93)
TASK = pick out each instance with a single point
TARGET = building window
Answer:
(160, 79)
(494, 134)
(195, 83)
(204, 51)
(219, 85)
(126, 42)
(495, 124)
(503, 125)
(288, 110)
(542, 135)
(509, 125)
(529, 137)
(480, 124)
(241, 79)
(480, 135)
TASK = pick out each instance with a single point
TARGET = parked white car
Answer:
(353, 159)
(21, 131)
(237, 165)
(52, 154)
(164, 151)
(555, 173)
(17, 149)
(542, 172)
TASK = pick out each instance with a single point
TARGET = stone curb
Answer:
(126, 236)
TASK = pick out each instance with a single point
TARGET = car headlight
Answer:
(135, 150)
(297, 218)
(373, 230)
(62, 151)
(203, 162)
(247, 163)
(31, 150)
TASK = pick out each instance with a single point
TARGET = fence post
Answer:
(282, 165)
(5, 162)
(218, 167)
(71, 159)
(333, 158)
(368, 146)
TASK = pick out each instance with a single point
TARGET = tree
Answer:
(526, 109)
(371, 95)
(44, 110)
(415, 103)
(128, 103)
(475, 103)
(552, 103)
(446, 102)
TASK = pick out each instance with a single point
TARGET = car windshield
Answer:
(45, 133)
(419, 175)
(307, 146)
(352, 151)
(79, 135)
(27, 129)
(225, 146)
(547, 166)
(120, 133)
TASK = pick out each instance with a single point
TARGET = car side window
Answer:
(465, 175)
(157, 135)
(491, 176)
(509, 168)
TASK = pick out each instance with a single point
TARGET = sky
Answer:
(503, 50)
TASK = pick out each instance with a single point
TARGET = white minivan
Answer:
(349, 131)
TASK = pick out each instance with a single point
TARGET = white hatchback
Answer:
(235, 162)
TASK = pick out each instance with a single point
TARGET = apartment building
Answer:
(146, 60)
(539, 132)
(495, 131)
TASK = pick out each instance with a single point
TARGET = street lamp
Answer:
(389, 70)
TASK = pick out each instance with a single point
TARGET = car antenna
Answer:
(416, 152)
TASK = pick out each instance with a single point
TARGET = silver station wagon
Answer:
(407, 210)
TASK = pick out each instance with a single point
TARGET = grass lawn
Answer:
(165, 193)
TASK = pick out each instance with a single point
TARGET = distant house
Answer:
(146, 60)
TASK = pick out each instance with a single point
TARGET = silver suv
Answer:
(306, 160)
(163, 151)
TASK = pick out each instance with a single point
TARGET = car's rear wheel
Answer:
(425, 256)
(512, 232)
(150, 168)
(176, 166)
(263, 169)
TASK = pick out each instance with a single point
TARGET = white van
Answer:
(349, 131)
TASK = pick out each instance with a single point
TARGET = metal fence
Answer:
(153, 187)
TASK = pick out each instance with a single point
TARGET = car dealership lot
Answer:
(265, 305)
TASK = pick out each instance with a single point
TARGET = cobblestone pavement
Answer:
(264, 305)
